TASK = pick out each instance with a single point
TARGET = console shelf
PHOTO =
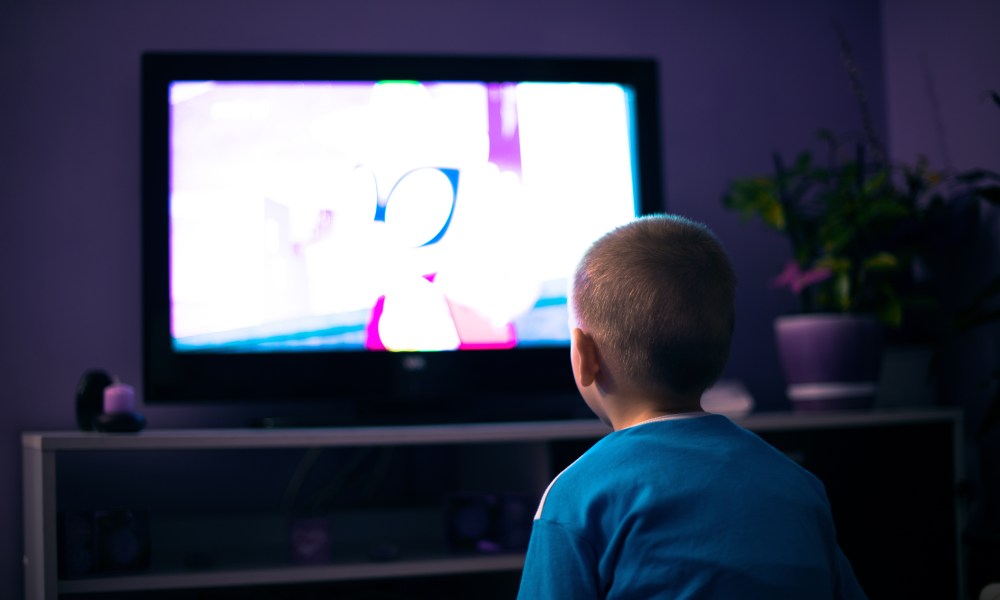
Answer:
(270, 576)
(871, 463)
(235, 439)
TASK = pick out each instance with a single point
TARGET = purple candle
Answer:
(119, 398)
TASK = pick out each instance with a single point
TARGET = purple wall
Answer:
(738, 81)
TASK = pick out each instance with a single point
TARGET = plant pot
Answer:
(830, 361)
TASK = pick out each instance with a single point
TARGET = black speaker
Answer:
(77, 544)
(122, 540)
(90, 397)
(102, 541)
(489, 522)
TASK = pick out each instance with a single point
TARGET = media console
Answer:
(219, 502)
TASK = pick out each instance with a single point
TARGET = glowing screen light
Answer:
(392, 215)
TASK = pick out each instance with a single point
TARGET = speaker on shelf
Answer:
(122, 540)
(489, 522)
(76, 543)
(102, 541)
(90, 397)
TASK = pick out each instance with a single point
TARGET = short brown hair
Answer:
(657, 295)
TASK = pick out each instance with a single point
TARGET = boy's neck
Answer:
(639, 418)
(638, 408)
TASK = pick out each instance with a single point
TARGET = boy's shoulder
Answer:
(675, 449)
(660, 443)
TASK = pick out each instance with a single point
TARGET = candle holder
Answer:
(119, 414)
(119, 422)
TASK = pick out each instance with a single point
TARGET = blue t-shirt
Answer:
(691, 507)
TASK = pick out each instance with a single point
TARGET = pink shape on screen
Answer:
(476, 332)
(373, 341)
(504, 130)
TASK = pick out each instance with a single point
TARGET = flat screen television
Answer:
(390, 237)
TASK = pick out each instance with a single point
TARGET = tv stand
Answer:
(890, 477)
(279, 422)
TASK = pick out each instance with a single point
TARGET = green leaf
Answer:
(839, 266)
(756, 197)
(774, 215)
(882, 208)
(891, 313)
(842, 289)
(881, 261)
(875, 182)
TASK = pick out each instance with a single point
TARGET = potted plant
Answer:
(869, 240)
(851, 233)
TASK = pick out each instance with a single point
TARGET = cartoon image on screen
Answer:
(393, 215)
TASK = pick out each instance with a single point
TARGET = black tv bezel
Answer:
(383, 387)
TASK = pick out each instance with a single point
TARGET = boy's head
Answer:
(656, 297)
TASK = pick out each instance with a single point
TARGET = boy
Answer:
(674, 503)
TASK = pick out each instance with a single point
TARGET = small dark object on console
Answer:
(90, 397)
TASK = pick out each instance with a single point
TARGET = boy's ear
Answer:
(585, 360)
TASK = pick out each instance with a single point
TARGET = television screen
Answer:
(390, 221)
